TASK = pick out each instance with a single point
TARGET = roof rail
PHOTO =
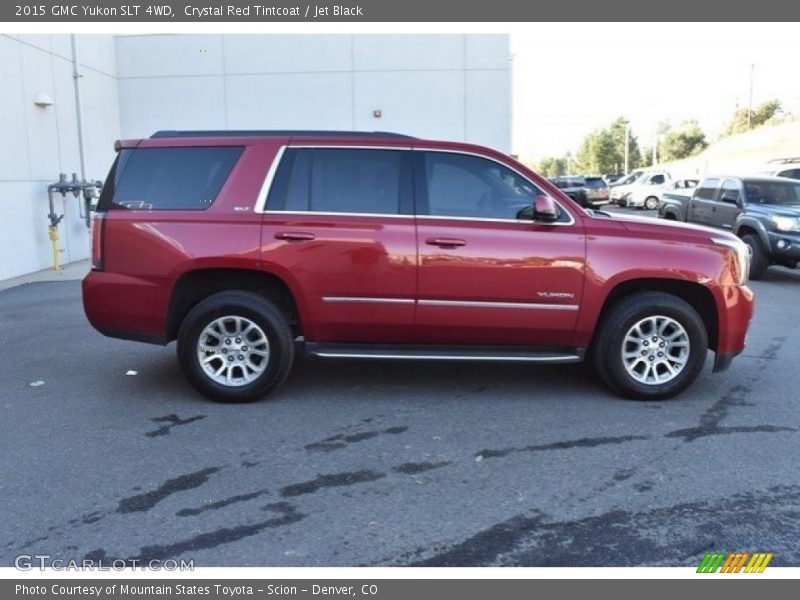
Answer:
(276, 133)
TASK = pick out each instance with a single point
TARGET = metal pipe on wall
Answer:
(76, 77)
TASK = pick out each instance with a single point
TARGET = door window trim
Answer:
(261, 200)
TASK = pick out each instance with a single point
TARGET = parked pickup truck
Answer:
(248, 247)
(763, 211)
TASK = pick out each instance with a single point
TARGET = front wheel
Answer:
(651, 203)
(650, 346)
(758, 258)
(235, 347)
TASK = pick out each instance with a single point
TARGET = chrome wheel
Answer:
(651, 203)
(233, 351)
(655, 350)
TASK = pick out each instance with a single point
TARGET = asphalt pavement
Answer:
(108, 453)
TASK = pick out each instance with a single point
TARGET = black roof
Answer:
(167, 133)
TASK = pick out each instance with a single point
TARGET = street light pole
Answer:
(750, 103)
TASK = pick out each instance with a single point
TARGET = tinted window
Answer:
(460, 185)
(338, 180)
(707, 189)
(595, 182)
(730, 191)
(657, 179)
(169, 178)
(772, 192)
(791, 173)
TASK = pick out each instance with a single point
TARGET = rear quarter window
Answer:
(185, 178)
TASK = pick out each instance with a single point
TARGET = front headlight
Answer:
(742, 253)
(786, 223)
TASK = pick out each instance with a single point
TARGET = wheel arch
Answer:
(695, 294)
(196, 285)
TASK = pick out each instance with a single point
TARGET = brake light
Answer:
(98, 240)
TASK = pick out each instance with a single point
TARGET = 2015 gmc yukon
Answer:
(247, 247)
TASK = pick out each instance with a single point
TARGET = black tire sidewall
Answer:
(758, 260)
(619, 322)
(265, 315)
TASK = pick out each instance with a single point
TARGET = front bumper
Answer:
(735, 309)
(784, 246)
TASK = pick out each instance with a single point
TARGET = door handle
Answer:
(294, 236)
(443, 242)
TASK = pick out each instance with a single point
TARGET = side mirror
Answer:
(544, 209)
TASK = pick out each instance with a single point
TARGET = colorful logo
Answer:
(734, 562)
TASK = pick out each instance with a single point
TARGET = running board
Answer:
(477, 353)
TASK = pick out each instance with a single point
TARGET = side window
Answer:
(705, 190)
(730, 191)
(177, 178)
(791, 173)
(657, 180)
(461, 185)
(341, 180)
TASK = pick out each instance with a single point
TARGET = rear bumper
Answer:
(127, 307)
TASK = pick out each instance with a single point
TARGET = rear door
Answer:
(488, 273)
(339, 226)
(699, 209)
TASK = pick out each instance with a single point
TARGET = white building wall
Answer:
(39, 143)
(455, 87)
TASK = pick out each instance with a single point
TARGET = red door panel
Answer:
(507, 283)
(357, 274)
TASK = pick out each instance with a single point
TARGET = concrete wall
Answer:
(39, 143)
(454, 87)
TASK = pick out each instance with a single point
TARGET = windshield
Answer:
(772, 192)
(629, 179)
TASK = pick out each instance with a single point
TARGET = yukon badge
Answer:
(555, 295)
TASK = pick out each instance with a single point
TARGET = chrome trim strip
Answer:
(335, 214)
(333, 354)
(476, 304)
(365, 300)
(261, 200)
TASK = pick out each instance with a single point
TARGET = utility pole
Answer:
(750, 103)
(627, 143)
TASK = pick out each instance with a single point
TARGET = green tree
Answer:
(757, 117)
(552, 166)
(603, 150)
(687, 140)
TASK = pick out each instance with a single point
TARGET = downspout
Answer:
(76, 78)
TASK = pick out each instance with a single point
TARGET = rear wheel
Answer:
(235, 347)
(651, 203)
(650, 346)
(758, 258)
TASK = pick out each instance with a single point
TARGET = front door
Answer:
(488, 273)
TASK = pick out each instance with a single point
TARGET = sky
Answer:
(571, 78)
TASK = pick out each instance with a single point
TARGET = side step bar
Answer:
(477, 353)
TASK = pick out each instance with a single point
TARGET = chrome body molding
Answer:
(450, 303)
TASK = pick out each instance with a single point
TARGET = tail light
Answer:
(98, 240)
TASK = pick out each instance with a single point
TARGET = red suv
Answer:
(250, 246)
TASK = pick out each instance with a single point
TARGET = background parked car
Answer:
(783, 167)
(589, 192)
(613, 177)
(764, 211)
(680, 188)
(643, 192)
(623, 185)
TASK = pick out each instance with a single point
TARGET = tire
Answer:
(650, 380)
(651, 203)
(758, 258)
(254, 370)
